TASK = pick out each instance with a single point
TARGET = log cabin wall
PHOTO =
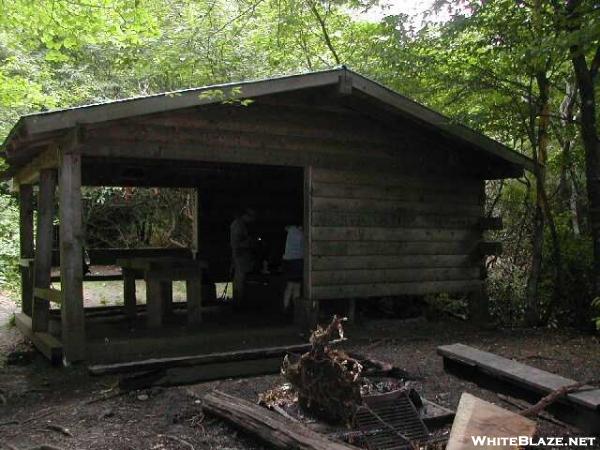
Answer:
(390, 234)
(394, 210)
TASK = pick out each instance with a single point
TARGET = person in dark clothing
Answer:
(242, 252)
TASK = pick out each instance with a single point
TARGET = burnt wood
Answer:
(269, 426)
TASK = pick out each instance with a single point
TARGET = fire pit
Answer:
(349, 397)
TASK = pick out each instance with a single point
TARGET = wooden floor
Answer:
(111, 338)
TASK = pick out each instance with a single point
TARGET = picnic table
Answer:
(159, 274)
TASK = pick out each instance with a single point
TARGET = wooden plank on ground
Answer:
(179, 376)
(518, 373)
(478, 418)
(267, 425)
(197, 360)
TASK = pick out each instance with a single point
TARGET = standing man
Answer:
(242, 252)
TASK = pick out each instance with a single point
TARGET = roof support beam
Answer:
(71, 254)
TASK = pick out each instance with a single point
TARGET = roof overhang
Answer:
(37, 131)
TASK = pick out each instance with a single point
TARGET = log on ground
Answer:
(267, 425)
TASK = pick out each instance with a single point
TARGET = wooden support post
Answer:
(166, 292)
(351, 311)
(154, 303)
(26, 245)
(196, 222)
(310, 305)
(129, 298)
(43, 250)
(71, 257)
(478, 304)
(194, 301)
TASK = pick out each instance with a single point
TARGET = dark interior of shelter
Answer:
(222, 192)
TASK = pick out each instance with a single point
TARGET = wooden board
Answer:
(269, 426)
(387, 234)
(393, 289)
(43, 247)
(371, 262)
(26, 245)
(337, 277)
(476, 417)
(47, 344)
(518, 373)
(196, 360)
(179, 376)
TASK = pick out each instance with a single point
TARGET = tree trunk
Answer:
(589, 134)
(539, 142)
(567, 190)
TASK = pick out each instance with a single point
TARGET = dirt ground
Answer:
(92, 414)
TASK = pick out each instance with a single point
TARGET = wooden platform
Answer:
(581, 409)
(111, 338)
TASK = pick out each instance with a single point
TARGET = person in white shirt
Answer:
(293, 264)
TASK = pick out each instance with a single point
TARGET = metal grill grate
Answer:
(390, 422)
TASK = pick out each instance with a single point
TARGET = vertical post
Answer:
(196, 222)
(26, 244)
(478, 300)
(166, 292)
(154, 302)
(311, 305)
(43, 251)
(478, 304)
(71, 256)
(129, 297)
(194, 300)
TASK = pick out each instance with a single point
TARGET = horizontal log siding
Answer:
(384, 234)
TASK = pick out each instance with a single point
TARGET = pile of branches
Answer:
(328, 381)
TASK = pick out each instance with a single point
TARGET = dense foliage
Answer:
(506, 67)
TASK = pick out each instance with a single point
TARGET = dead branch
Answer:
(9, 422)
(556, 395)
(45, 447)
(105, 397)
(521, 406)
(181, 441)
(59, 429)
(8, 446)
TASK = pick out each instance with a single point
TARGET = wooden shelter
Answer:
(391, 193)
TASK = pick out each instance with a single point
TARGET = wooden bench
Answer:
(581, 408)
